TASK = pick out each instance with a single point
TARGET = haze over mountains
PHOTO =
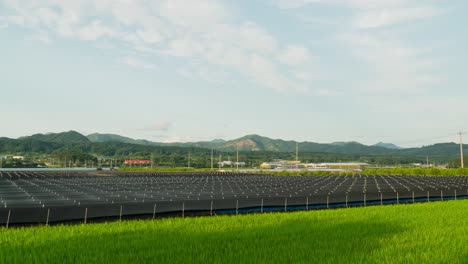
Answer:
(254, 143)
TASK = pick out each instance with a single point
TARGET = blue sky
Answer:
(175, 70)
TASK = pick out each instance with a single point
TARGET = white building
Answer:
(230, 163)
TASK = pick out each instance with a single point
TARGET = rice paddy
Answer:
(435, 232)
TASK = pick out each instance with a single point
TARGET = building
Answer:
(288, 165)
(225, 163)
(231, 163)
(282, 164)
(339, 165)
(137, 162)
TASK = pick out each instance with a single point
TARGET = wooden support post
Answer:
(86, 215)
(455, 194)
(346, 200)
(441, 195)
(48, 213)
(8, 219)
(328, 201)
(381, 199)
(261, 206)
(183, 209)
(398, 198)
(120, 215)
(307, 203)
(365, 198)
(285, 204)
(413, 196)
(154, 211)
(211, 208)
(237, 207)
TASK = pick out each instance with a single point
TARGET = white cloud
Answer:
(138, 64)
(178, 139)
(203, 31)
(43, 37)
(267, 74)
(295, 55)
(193, 14)
(95, 30)
(163, 126)
(375, 33)
(150, 36)
(387, 17)
(184, 47)
(288, 4)
(159, 127)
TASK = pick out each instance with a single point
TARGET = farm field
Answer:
(435, 232)
(38, 197)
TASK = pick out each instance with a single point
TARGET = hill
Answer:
(260, 143)
(96, 137)
(69, 137)
(387, 145)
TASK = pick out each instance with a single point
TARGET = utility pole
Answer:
(219, 162)
(427, 162)
(189, 159)
(297, 155)
(237, 163)
(297, 151)
(461, 149)
(151, 160)
(211, 158)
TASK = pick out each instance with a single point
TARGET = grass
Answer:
(421, 233)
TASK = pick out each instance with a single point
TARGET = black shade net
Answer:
(42, 197)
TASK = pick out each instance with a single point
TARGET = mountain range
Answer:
(256, 143)
(251, 143)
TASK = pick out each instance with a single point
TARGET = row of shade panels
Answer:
(38, 189)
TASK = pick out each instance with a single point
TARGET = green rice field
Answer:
(434, 232)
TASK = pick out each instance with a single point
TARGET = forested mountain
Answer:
(96, 137)
(387, 145)
(257, 143)
(253, 149)
(64, 137)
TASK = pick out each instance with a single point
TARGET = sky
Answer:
(182, 70)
